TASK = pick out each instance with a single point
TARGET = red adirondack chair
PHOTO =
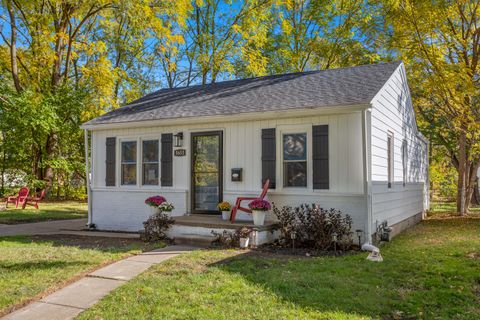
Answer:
(33, 201)
(238, 205)
(21, 198)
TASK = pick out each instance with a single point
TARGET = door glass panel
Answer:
(206, 191)
(206, 172)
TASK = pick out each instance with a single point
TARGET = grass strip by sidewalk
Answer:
(30, 267)
(430, 272)
(48, 211)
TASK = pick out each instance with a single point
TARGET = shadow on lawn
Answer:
(40, 265)
(348, 285)
(12, 211)
(103, 244)
(428, 272)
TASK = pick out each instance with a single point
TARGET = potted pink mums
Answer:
(259, 209)
(154, 203)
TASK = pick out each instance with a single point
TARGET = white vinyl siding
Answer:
(393, 115)
(241, 149)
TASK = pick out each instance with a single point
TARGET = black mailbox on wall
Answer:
(236, 174)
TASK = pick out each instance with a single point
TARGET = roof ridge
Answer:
(307, 89)
(142, 99)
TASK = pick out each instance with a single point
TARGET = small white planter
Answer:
(226, 215)
(168, 213)
(154, 210)
(244, 242)
(258, 217)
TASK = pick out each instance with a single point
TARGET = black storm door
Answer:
(207, 171)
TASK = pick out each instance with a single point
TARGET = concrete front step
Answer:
(194, 240)
(202, 235)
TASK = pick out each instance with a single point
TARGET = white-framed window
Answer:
(150, 162)
(404, 161)
(390, 160)
(294, 157)
(128, 154)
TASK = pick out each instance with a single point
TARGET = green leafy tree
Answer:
(309, 35)
(64, 62)
(440, 44)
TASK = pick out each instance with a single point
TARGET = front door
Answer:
(207, 171)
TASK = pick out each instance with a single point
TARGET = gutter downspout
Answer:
(367, 170)
(87, 179)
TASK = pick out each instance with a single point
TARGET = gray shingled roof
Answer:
(326, 88)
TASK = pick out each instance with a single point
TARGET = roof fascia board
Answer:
(278, 114)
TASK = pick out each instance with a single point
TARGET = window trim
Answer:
(405, 161)
(390, 159)
(158, 162)
(120, 160)
(289, 129)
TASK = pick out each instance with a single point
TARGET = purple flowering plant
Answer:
(259, 204)
(155, 201)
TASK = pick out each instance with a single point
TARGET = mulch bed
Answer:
(274, 248)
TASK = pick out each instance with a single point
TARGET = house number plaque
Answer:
(180, 152)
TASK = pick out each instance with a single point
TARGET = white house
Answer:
(344, 138)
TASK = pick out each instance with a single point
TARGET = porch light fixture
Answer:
(178, 139)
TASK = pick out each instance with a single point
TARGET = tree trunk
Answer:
(462, 175)
(50, 149)
(476, 193)
(13, 47)
(471, 182)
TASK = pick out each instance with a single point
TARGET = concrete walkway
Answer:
(71, 227)
(45, 227)
(70, 301)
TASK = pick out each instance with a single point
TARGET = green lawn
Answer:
(429, 272)
(447, 209)
(48, 211)
(30, 267)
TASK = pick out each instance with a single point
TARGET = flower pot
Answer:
(168, 213)
(226, 215)
(244, 242)
(258, 217)
(155, 210)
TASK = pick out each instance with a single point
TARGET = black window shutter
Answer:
(167, 160)
(269, 155)
(320, 157)
(110, 162)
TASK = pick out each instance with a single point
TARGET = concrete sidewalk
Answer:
(45, 227)
(70, 301)
(74, 227)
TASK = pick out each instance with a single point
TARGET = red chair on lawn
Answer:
(21, 198)
(34, 201)
(238, 205)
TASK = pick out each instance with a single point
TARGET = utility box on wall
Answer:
(237, 174)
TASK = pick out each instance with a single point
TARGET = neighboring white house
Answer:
(343, 138)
